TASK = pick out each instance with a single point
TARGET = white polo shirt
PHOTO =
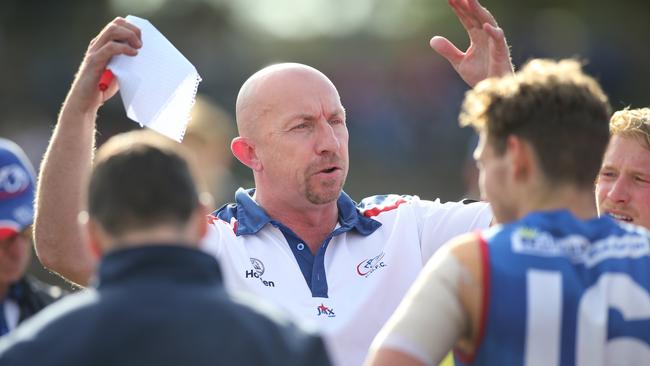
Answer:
(360, 273)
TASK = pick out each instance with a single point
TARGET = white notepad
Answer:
(158, 85)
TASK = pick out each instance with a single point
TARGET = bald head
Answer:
(274, 86)
(294, 137)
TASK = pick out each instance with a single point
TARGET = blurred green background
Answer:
(402, 99)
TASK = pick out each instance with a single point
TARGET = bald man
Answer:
(296, 239)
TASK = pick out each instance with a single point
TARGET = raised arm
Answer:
(58, 236)
(488, 54)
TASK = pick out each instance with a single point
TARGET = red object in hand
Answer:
(105, 79)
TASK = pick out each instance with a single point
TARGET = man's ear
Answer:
(244, 151)
(95, 237)
(520, 154)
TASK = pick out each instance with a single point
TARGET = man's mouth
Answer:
(329, 170)
(620, 217)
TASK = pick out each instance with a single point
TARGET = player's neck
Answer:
(164, 234)
(580, 202)
(311, 222)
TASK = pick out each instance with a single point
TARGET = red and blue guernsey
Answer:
(563, 291)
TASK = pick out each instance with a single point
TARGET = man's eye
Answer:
(607, 174)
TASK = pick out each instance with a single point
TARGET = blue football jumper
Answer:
(564, 291)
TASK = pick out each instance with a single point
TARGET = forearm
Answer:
(58, 235)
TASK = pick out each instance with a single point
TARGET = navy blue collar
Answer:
(251, 218)
(160, 263)
(15, 291)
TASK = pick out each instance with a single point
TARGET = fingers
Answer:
(481, 14)
(459, 8)
(447, 50)
(499, 52)
(500, 48)
(495, 33)
(134, 29)
(119, 30)
(117, 38)
(104, 54)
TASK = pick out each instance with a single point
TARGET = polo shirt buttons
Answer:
(300, 246)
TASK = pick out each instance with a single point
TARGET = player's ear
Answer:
(521, 157)
(244, 151)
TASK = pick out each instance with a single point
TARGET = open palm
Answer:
(488, 54)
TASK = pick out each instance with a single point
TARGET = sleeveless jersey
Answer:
(563, 291)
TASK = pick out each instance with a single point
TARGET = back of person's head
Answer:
(139, 181)
(632, 123)
(562, 112)
(17, 182)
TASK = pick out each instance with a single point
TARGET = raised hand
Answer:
(488, 54)
(118, 37)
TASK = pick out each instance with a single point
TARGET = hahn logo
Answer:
(13, 180)
(258, 271)
(367, 266)
(324, 310)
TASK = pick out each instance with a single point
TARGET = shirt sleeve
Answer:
(213, 241)
(440, 222)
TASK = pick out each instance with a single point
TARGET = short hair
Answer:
(140, 180)
(562, 112)
(632, 122)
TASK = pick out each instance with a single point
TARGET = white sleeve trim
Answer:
(443, 222)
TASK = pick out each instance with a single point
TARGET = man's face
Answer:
(303, 140)
(15, 252)
(623, 185)
(493, 180)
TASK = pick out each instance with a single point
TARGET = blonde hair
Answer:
(632, 122)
